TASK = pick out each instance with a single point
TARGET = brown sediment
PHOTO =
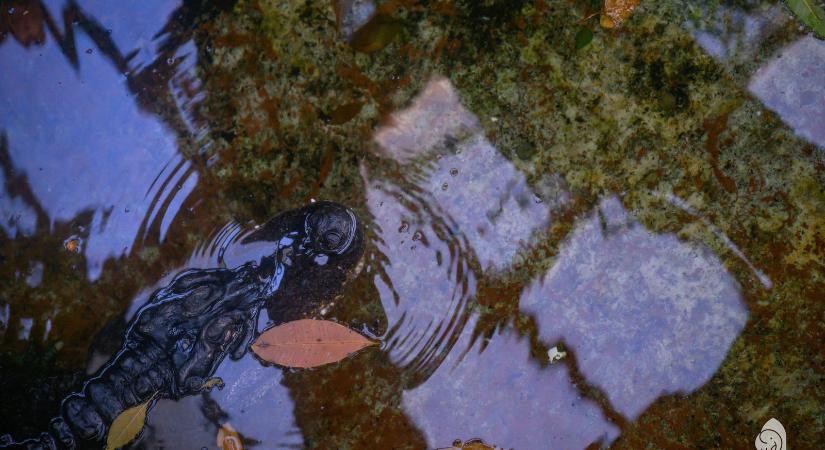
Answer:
(714, 127)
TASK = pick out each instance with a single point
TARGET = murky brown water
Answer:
(616, 245)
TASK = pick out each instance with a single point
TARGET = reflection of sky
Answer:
(793, 85)
(489, 199)
(259, 407)
(16, 217)
(425, 271)
(482, 192)
(255, 404)
(499, 395)
(79, 136)
(730, 32)
(644, 314)
(468, 201)
(130, 30)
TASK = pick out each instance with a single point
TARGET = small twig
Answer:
(585, 19)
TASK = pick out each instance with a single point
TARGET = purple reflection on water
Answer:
(644, 314)
(793, 85)
(485, 196)
(80, 139)
(731, 33)
(253, 402)
(502, 397)
(428, 281)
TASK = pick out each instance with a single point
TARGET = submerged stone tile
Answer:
(485, 197)
(793, 85)
(499, 395)
(644, 314)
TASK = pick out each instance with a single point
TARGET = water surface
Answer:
(617, 244)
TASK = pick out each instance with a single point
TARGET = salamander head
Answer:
(206, 314)
(317, 248)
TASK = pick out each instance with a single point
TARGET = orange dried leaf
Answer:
(308, 343)
(472, 444)
(72, 244)
(228, 438)
(617, 11)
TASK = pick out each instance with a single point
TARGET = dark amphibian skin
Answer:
(178, 339)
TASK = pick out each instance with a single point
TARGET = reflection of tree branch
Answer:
(150, 84)
(18, 186)
(65, 42)
(590, 391)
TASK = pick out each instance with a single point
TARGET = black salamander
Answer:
(176, 342)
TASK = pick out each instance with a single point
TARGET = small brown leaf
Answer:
(345, 113)
(228, 438)
(472, 444)
(617, 11)
(308, 343)
(376, 34)
(127, 426)
(72, 244)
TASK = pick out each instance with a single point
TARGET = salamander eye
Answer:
(332, 240)
(331, 228)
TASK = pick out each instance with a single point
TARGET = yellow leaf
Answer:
(308, 343)
(617, 11)
(213, 382)
(127, 425)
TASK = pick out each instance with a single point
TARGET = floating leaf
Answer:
(810, 14)
(584, 37)
(308, 343)
(376, 34)
(345, 113)
(72, 244)
(228, 438)
(617, 11)
(127, 426)
(472, 444)
(213, 382)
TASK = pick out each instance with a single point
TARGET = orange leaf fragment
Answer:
(72, 244)
(617, 11)
(228, 438)
(308, 343)
(472, 444)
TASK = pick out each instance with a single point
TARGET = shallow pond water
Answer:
(576, 236)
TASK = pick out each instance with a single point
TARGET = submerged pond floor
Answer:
(577, 236)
